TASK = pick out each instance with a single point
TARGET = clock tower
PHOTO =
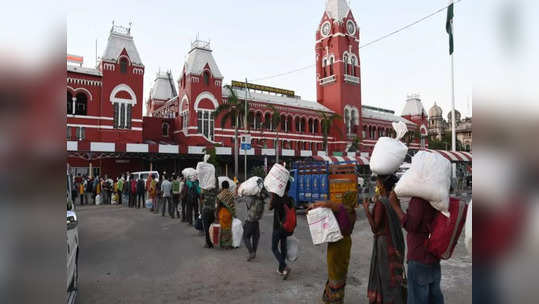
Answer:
(338, 77)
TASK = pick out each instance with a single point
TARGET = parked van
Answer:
(144, 175)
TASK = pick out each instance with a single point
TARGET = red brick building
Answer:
(105, 122)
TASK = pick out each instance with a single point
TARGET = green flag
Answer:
(449, 26)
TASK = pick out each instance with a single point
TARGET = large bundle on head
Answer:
(429, 178)
(190, 174)
(231, 184)
(276, 180)
(206, 174)
(389, 153)
(252, 186)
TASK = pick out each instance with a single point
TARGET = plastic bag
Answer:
(206, 176)
(388, 153)
(252, 186)
(237, 233)
(215, 234)
(277, 179)
(98, 199)
(468, 229)
(429, 178)
(323, 226)
(114, 200)
(292, 249)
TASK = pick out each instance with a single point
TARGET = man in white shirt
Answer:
(166, 190)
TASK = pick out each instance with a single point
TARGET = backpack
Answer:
(446, 231)
(289, 223)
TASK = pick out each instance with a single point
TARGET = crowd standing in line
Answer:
(387, 282)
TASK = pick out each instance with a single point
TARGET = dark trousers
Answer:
(251, 235)
(278, 241)
(184, 209)
(424, 283)
(140, 200)
(189, 212)
(175, 202)
(132, 197)
(119, 193)
(207, 219)
(81, 198)
(166, 205)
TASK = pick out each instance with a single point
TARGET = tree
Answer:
(325, 123)
(232, 110)
(276, 123)
(210, 150)
(444, 143)
(355, 145)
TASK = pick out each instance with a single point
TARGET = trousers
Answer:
(424, 283)
(251, 235)
(278, 241)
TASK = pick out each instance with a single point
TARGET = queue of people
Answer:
(388, 281)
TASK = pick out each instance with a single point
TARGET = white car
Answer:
(144, 175)
(72, 248)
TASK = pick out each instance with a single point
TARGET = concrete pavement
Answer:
(133, 256)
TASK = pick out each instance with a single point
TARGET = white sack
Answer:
(429, 178)
(98, 199)
(468, 229)
(237, 233)
(190, 173)
(252, 186)
(206, 175)
(388, 153)
(323, 226)
(292, 248)
(277, 179)
(231, 184)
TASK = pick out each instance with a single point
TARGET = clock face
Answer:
(350, 27)
(326, 28)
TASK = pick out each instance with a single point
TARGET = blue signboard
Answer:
(245, 146)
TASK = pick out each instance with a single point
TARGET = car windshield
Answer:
(144, 175)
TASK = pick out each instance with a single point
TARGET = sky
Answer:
(256, 39)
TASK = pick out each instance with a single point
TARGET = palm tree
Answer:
(232, 110)
(276, 123)
(325, 123)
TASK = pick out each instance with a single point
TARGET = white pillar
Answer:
(73, 108)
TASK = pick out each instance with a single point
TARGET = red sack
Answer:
(289, 223)
(446, 231)
(215, 234)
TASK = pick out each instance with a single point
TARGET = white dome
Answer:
(435, 111)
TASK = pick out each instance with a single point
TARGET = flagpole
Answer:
(453, 117)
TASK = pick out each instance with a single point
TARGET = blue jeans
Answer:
(277, 238)
(424, 283)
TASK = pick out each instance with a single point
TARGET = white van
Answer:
(144, 175)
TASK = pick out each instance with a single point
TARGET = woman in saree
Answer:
(225, 213)
(386, 277)
(338, 253)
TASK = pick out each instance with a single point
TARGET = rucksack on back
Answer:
(446, 231)
(289, 223)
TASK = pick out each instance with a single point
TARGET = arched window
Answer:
(267, 121)
(297, 126)
(205, 123)
(347, 120)
(283, 124)
(251, 120)
(69, 109)
(311, 127)
(258, 120)
(123, 65)
(331, 66)
(289, 124)
(303, 125)
(353, 66)
(324, 65)
(316, 126)
(207, 78)
(364, 132)
(81, 104)
(165, 129)
(345, 62)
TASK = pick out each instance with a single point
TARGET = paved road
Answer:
(133, 256)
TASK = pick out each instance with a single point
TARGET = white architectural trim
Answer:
(72, 145)
(322, 153)
(123, 87)
(268, 152)
(223, 150)
(89, 126)
(249, 152)
(305, 153)
(140, 148)
(169, 149)
(351, 154)
(207, 95)
(288, 152)
(102, 147)
(184, 99)
(81, 89)
(90, 117)
(195, 150)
